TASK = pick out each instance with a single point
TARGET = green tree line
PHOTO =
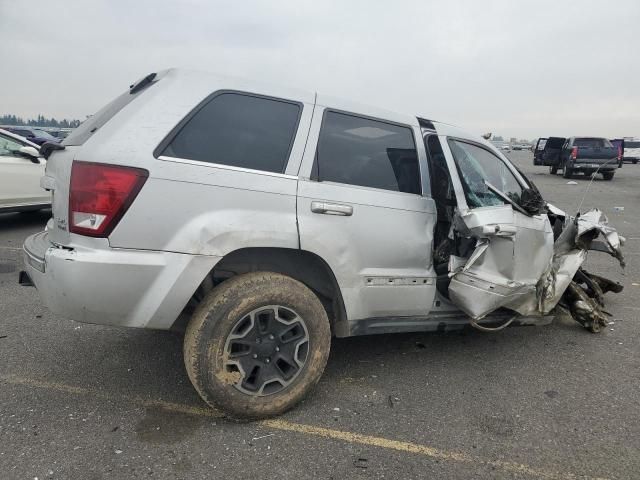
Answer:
(40, 121)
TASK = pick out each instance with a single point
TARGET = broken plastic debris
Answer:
(618, 209)
(571, 182)
(118, 452)
(336, 409)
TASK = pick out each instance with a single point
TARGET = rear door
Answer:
(537, 151)
(513, 248)
(363, 208)
(552, 151)
(19, 176)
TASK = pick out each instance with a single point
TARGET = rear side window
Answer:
(365, 152)
(475, 165)
(592, 143)
(239, 130)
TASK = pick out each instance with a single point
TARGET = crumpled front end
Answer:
(567, 283)
(532, 263)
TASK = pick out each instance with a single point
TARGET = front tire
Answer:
(567, 172)
(607, 175)
(553, 169)
(257, 344)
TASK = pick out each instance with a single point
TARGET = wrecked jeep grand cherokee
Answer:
(271, 219)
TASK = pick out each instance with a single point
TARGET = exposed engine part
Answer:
(584, 309)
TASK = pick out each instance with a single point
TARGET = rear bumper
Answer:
(586, 165)
(133, 288)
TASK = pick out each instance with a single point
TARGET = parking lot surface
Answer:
(93, 402)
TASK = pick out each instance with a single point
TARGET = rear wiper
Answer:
(48, 148)
(142, 83)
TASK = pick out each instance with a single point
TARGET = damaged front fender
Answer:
(518, 265)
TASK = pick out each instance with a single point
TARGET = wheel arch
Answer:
(306, 267)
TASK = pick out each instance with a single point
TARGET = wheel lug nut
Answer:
(254, 355)
(277, 349)
(271, 337)
(267, 360)
(258, 340)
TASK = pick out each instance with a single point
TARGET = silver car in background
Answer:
(267, 219)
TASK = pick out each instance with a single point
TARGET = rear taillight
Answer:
(100, 195)
(574, 153)
(619, 153)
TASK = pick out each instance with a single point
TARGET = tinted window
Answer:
(475, 165)
(240, 131)
(22, 133)
(369, 153)
(592, 142)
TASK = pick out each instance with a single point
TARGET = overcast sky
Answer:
(516, 68)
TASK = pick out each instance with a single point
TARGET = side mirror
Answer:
(30, 153)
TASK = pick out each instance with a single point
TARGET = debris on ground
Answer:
(571, 182)
(360, 463)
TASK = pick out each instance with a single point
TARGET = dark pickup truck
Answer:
(577, 155)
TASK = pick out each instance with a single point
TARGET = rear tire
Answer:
(257, 344)
(553, 169)
(567, 172)
(607, 175)
(634, 161)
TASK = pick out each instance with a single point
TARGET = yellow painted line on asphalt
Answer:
(329, 433)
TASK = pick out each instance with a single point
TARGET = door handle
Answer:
(332, 209)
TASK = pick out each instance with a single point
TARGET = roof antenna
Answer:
(593, 175)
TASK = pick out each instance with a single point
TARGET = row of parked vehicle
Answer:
(37, 135)
(587, 155)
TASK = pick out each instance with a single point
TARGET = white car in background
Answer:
(631, 150)
(20, 170)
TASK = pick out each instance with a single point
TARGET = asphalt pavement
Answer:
(92, 402)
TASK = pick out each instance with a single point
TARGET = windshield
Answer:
(631, 145)
(42, 134)
(592, 143)
(476, 166)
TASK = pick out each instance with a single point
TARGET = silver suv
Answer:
(267, 220)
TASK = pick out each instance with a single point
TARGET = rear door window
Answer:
(365, 152)
(592, 143)
(475, 165)
(239, 130)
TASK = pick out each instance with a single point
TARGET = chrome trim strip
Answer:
(225, 167)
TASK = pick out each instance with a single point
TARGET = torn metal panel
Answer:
(512, 253)
(517, 265)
